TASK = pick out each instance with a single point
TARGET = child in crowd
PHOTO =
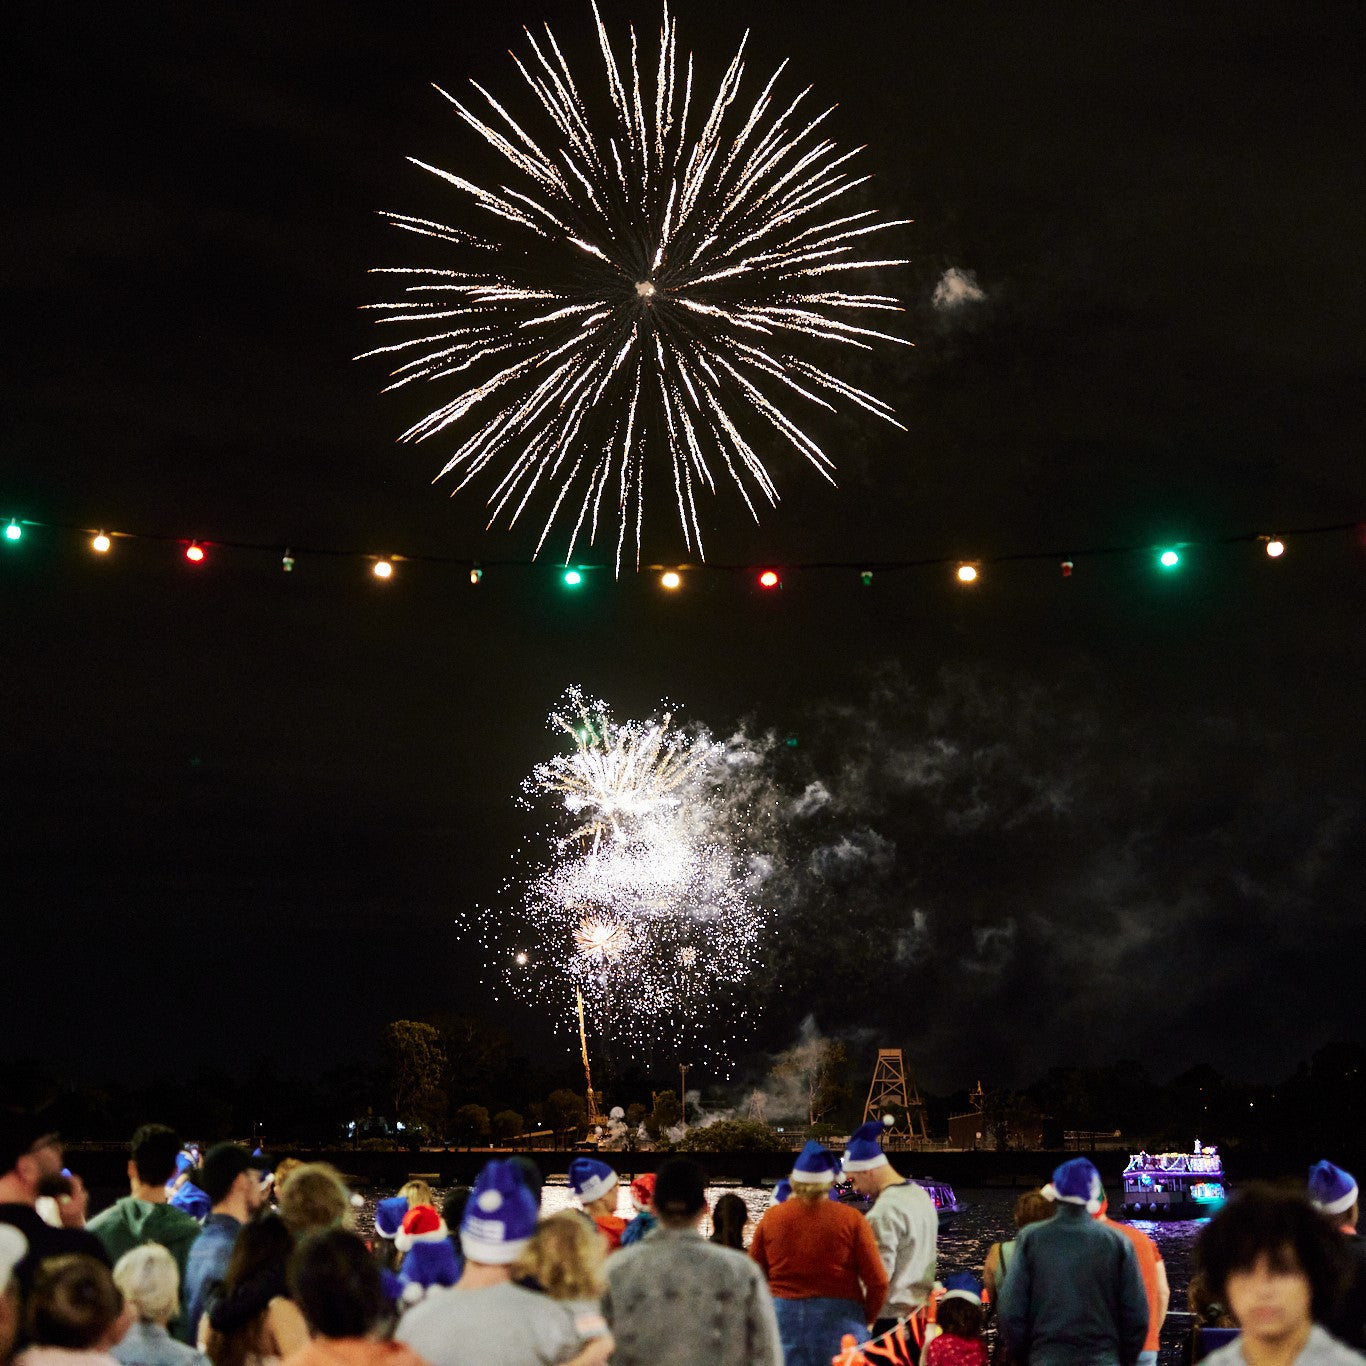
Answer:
(564, 1259)
(961, 1321)
(417, 1193)
(149, 1281)
(642, 1200)
(428, 1257)
(75, 1314)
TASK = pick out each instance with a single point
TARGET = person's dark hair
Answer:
(222, 1165)
(453, 1209)
(961, 1318)
(680, 1189)
(154, 1150)
(532, 1177)
(336, 1284)
(1033, 1207)
(73, 1303)
(1283, 1227)
(728, 1221)
(1206, 1310)
(255, 1274)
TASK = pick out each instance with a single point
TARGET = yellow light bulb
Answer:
(671, 579)
(101, 543)
(383, 569)
(967, 573)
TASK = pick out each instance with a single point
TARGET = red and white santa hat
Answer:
(422, 1224)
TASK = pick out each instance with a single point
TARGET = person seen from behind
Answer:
(149, 1281)
(254, 1322)
(675, 1300)
(1154, 1272)
(1280, 1267)
(961, 1321)
(1073, 1291)
(564, 1260)
(642, 1201)
(233, 1185)
(428, 1257)
(728, 1220)
(595, 1183)
(1031, 1208)
(336, 1285)
(13, 1249)
(74, 1314)
(821, 1262)
(486, 1317)
(145, 1216)
(904, 1222)
(1334, 1193)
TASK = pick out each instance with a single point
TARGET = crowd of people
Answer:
(216, 1260)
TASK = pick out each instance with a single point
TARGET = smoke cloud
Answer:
(956, 289)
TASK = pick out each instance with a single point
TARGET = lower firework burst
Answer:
(657, 284)
(653, 917)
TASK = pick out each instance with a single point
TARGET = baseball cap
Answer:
(222, 1165)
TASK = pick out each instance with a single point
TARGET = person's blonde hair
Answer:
(283, 1168)
(565, 1257)
(417, 1193)
(150, 1282)
(315, 1198)
(810, 1191)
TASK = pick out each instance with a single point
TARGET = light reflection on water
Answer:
(963, 1245)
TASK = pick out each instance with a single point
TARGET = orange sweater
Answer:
(821, 1250)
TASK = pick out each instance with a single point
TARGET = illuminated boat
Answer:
(946, 1204)
(1174, 1185)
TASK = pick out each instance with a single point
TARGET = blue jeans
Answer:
(811, 1329)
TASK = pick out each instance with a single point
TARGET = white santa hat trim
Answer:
(406, 1241)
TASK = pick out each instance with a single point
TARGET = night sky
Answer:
(1067, 820)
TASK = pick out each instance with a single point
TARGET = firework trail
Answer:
(659, 273)
(647, 905)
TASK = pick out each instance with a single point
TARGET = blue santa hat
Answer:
(962, 1285)
(500, 1216)
(1077, 1183)
(781, 1191)
(815, 1165)
(389, 1215)
(863, 1152)
(1331, 1189)
(591, 1179)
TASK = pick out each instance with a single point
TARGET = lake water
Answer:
(962, 1246)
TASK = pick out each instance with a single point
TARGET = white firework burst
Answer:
(618, 774)
(648, 907)
(663, 277)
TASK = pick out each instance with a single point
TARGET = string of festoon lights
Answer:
(199, 552)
